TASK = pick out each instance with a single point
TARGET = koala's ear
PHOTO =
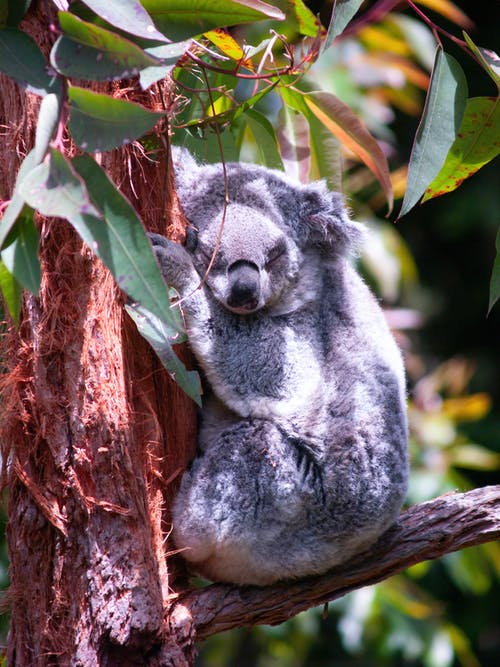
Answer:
(185, 169)
(325, 221)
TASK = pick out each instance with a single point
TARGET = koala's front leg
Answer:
(178, 271)
(176, 265)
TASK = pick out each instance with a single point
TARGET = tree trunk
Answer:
(95, 437)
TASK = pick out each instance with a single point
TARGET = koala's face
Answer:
(255, 261)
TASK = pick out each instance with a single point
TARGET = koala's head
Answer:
(254, 262)
(266, 235)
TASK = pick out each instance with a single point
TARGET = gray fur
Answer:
(302, 446)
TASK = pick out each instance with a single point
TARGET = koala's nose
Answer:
(244, 286)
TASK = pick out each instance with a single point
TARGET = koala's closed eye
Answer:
(275, 253)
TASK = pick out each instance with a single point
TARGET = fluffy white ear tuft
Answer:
(185, 168)
(326, 221)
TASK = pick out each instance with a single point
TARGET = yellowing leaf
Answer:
(309, 25)
(467, 408)
(228, 45)
(476, 144)
(449, 10)
(474, 457)
(376, 37)
(221, 104)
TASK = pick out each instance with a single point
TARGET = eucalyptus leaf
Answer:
(20, 254)
(343, 11)
(48, 118)
(439, 125)
(325, 158)
(343, 123)
(17, 202)
(181, 19)
(11, 291)
(157, 335)
(495, 277)
(489, 60)
(22, 60)
(99, 122)
(293, 139)
(476, 144)
(53, 189)
(265, 139)
(122, 244)
(104, 219)
(87, 51)
(168, 54)
(127, 15)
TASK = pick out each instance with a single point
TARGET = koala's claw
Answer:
(158, 240)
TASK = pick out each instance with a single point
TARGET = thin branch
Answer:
(424, 532)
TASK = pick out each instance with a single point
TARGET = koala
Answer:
(302, 445)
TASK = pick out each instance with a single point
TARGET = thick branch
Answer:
(424, 532)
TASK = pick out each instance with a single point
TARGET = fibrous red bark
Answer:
(95, 435)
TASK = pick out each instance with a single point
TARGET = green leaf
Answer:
(127, 15)
(309, 25)
(15, 10)
(53, 189)
(293, 138)
(439, 125)
(207, 149)
(99, 122)
(495, 277)
(17, 202)
(20, 254)
(181, 19)
(324, 146)
(265, 139)
(48, 118)
(341, 121)
(104, 219)
(11, 291)
(169, 54)
(154, 331)
(477, 143)
(489, 60)
(123, 245)
(343, 11)
(22, 60)
(87, 51)
(250, 102)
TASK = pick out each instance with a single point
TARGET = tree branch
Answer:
(423, 532)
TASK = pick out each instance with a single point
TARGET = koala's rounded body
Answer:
(302, 457)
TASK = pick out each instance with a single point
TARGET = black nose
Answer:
(244, 285)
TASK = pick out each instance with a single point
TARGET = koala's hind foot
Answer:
(252, 508)
(241, 500)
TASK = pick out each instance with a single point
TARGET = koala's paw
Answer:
(175, 263)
